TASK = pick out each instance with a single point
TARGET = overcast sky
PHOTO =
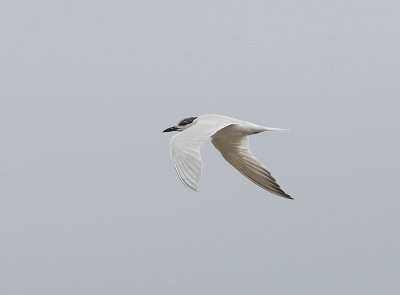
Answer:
(89, 200)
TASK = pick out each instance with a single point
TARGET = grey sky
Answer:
(89, 201)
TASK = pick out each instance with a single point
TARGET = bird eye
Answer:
(186, 121)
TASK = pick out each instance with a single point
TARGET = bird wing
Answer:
(234, 147)
(185, 149)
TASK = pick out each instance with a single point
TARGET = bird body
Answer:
(230, 137)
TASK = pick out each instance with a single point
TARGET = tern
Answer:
(230, 137)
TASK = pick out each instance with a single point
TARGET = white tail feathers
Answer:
(275, 129)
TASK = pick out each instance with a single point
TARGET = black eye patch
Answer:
(186, 121)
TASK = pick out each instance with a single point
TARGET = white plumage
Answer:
(231, 137)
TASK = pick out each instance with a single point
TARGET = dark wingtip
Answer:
(287, 196)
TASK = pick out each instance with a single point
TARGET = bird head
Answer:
(182, 125)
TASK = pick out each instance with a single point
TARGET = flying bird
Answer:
(231, 138)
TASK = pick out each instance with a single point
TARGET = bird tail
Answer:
(275, 129)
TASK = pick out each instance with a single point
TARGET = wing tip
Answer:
(189, 184)
(285, 195)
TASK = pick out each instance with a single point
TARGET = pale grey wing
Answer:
(185, 150)
(235, 149)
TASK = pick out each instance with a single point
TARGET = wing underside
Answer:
(235, 150)
(185, 150)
